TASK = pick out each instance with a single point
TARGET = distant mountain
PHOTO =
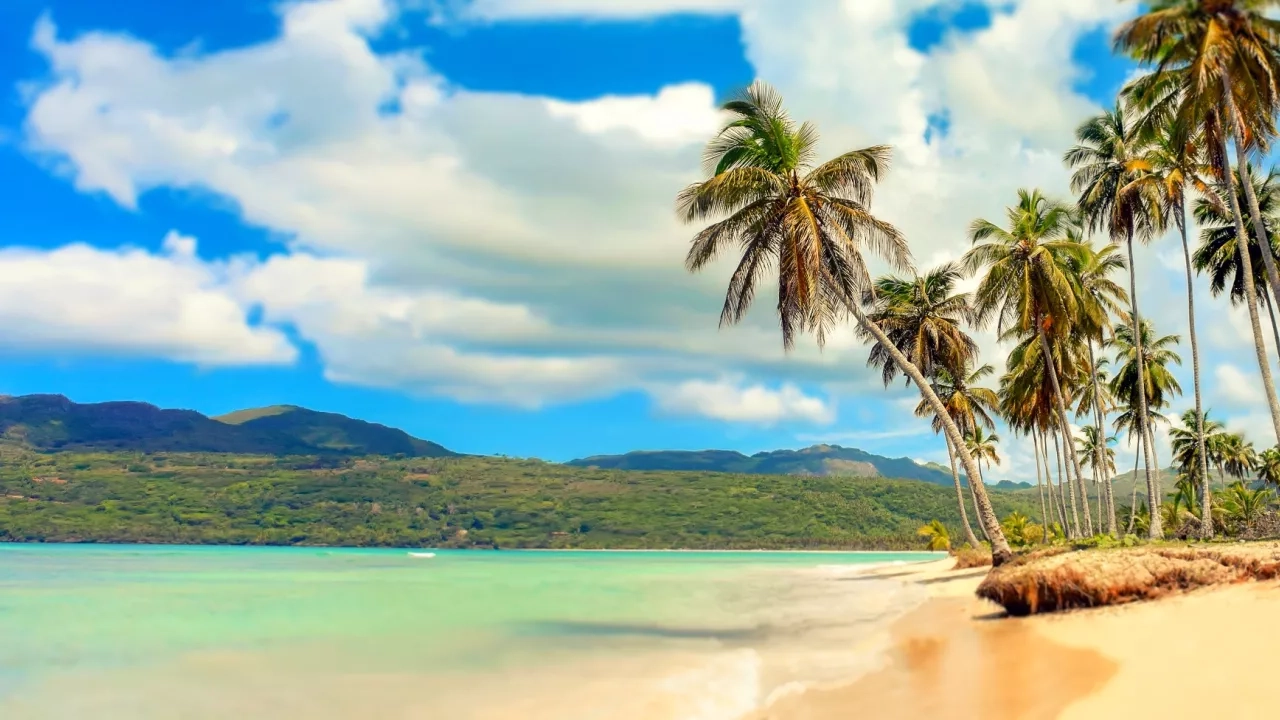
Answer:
(331, 431)
(52, 422)
(816, 460)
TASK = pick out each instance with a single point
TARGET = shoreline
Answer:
(959, 656)
(477, 550)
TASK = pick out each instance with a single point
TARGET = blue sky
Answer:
(458, 221)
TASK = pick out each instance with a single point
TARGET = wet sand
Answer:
(960, 657)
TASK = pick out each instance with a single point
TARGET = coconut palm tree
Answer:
(1107, 159)
(1171, 169)
(1269, 466)
(983, 446)
(1100, 298)
(1191, 446)
(1028, 285)
(1027, 401)
(1217, 255)
(1238, 456)
(970, 405)
(1096, 452)
(1216, 74)
(1160, 384)
(924, 318)
(809, 222)
(936, 535)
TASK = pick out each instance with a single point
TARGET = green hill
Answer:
(332, 432)
(54, 423)
(452, 502)
(819, 460)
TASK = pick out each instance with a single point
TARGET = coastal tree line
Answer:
(1057, 277)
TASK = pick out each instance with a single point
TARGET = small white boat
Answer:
(422, 554)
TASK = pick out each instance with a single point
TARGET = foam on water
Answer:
(142, 634)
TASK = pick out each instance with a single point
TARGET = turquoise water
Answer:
(215, 632)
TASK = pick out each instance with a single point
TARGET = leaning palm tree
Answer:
(970, 405)
(811, 224)
(1028, 285)
(1216, 74)
(1107, 159)
(1171, 167)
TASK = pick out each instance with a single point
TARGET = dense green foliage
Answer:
(52, 422)
(453, 502)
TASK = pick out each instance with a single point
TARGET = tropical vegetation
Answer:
(1057, 280)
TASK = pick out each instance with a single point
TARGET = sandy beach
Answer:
(1202, 654)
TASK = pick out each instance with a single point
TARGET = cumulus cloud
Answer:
(495, 246)
(731, 400)
(80, 299)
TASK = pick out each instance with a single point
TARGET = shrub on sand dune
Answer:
(1068, 580)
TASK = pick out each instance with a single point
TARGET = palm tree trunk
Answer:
(1133, 502)
(1073, 527)
(1000, 551)
(1154, 531)
(1100, 454)
(1068, 446)
(964, 515)
(1271, 313)
(1250, 291)
(1054, 505)
(1044, 510)
(1206, 519)
(1097, 488)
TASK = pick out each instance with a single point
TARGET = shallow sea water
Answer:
(151, 632)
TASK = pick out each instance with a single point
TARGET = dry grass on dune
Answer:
(1042, 583)
(968, 557)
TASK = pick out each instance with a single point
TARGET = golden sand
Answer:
(1206, 654)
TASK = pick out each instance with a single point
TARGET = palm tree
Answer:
(1191, 446)
(1219, 258)
(1244, 505)
(1027, 401)
(1269, 466)
(1107, 158)
(983, 447)
(923, 319)
(1172, 167)
(1021, 531)
(1238, 456)
(1158, 386)
(1096, 452)
(1216, 73)
(935, 533)
(810, 223)
(969, 405)
(1100, 298)
(1028, 284)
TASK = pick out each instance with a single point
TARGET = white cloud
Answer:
(730, 400)
(493, 246)
(1237, 388)
(78, 299)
